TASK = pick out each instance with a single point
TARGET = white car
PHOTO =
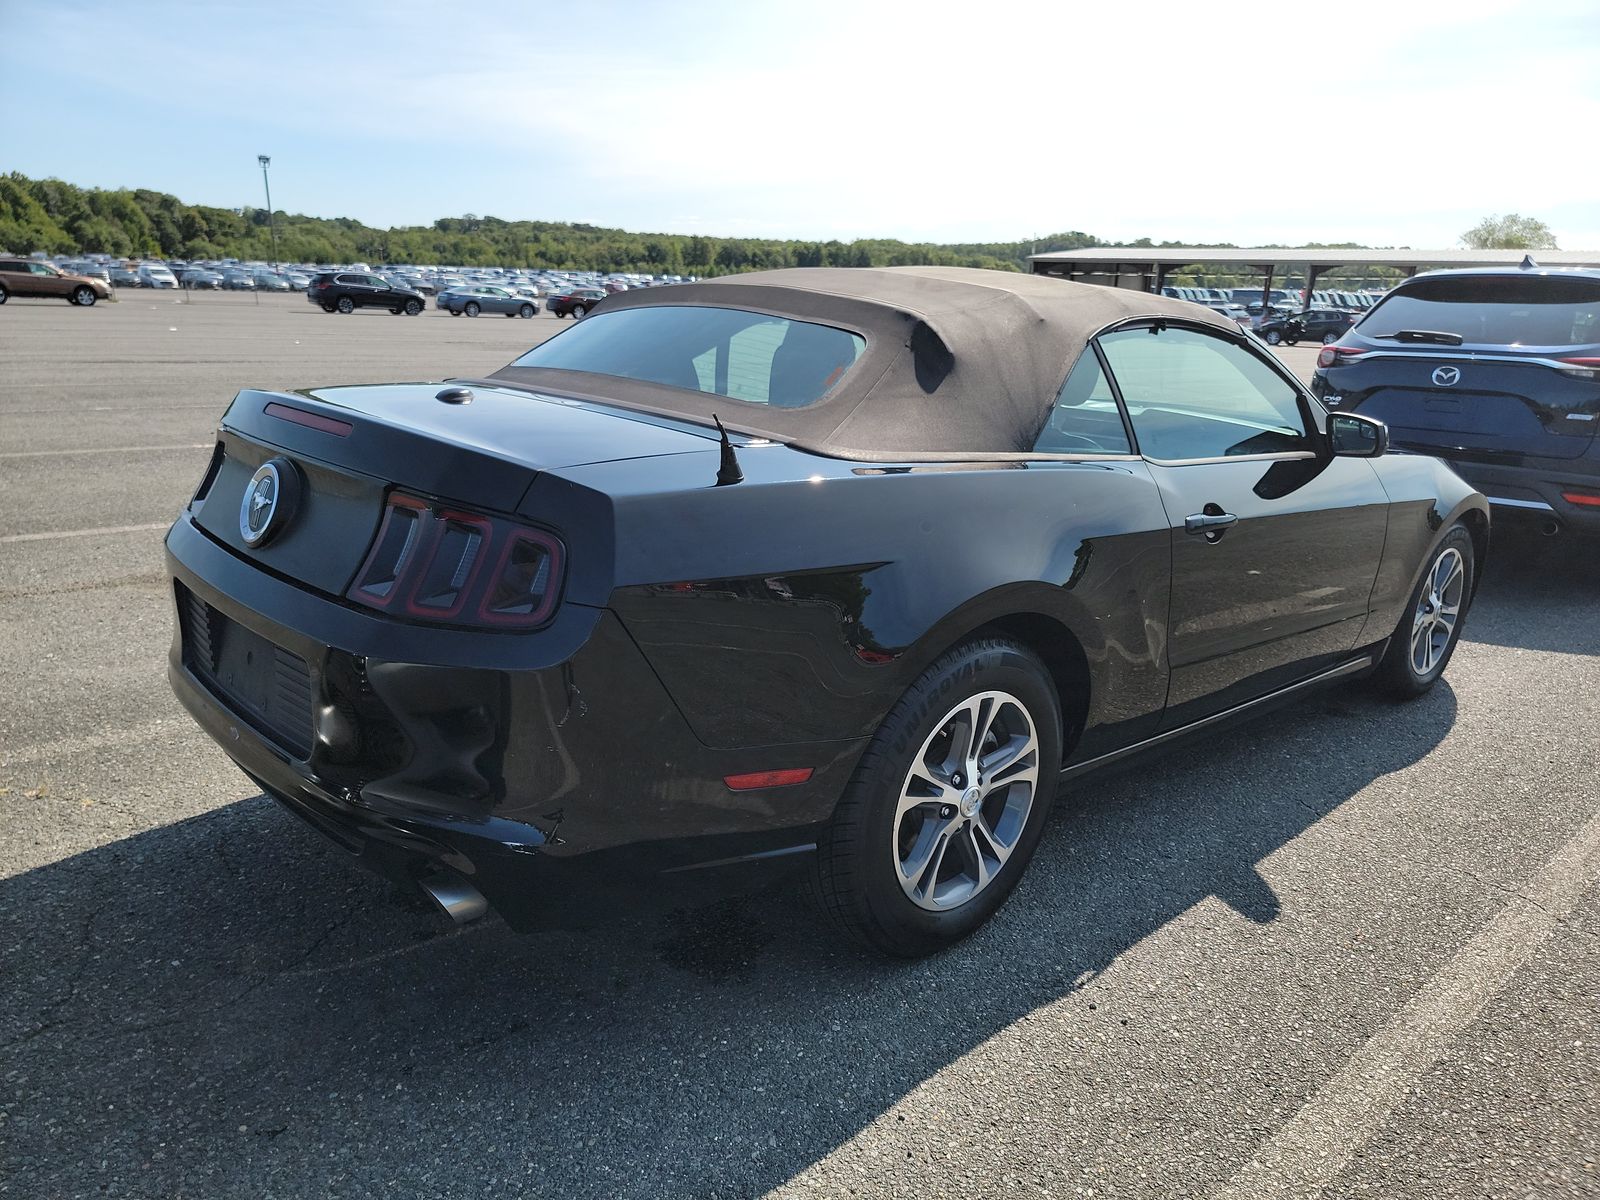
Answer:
(154, 275)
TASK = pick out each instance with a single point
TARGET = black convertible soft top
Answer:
(959, 362)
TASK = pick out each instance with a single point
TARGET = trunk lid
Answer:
(351, 445)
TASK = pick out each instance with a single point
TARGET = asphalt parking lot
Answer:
(1350, 949)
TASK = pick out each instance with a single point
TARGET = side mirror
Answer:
(1351, 435)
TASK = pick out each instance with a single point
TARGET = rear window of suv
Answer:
(747, 356)
(1494, 310)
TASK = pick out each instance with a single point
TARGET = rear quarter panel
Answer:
(799, 605)
(1426, 498)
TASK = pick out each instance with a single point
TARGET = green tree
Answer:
(1509, 232)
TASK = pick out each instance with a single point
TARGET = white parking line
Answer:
(106, 450)
(1315, 1145)
(76, 533)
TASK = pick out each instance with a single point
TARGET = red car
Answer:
(576, 302)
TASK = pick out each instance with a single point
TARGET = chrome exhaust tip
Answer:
(459, 900)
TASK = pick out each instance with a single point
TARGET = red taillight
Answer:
(467, 568)
(1332, 356)
(1585, 498)
(767, 779)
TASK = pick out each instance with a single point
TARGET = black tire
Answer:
(577, 313)
(4, 295)
(1407, 669)
(472, 308)
(413, 307)
(454, 312)
(525, 312)
(855, 879)
(84, 295)
(395, 311)
(346, 305)
(328, 308)
(1272, 337)
(1329, 339)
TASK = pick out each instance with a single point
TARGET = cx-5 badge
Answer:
(269, 501)
(1447, 376)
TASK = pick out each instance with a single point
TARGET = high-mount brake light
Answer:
(1332, 356)
(466, 568)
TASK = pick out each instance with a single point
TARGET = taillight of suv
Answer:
(444, 563)
(1337, 355)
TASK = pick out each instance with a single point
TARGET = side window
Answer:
(1085, 419)
(1193, 395)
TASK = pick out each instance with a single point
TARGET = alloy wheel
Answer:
(965, 801)
(1433, 625)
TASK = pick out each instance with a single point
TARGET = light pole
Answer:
(266, 161)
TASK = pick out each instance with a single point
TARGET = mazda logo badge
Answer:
(1447, 376)
(270, 499)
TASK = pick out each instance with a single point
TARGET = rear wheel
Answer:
(4, 295)
(1421, 645)
(947, 804)
(346, 305)
(328, 308)
(577, 312)
(525, 312)
(1272, 337)
(83, 295)
(473, 308)
(1329, 339)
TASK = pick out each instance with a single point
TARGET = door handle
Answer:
(1212, 524)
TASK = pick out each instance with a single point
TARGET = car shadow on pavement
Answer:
(227, 1006)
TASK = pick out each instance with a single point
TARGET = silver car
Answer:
(478, 298)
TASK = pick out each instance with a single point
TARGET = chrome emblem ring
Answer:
(1447, 376)
(269, 501)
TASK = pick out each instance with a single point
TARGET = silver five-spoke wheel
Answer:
(965, 801)
(1439, 607)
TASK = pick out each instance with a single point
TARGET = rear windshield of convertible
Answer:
(746, 356)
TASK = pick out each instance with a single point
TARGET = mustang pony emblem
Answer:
(269, 501)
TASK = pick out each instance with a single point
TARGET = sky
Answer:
(1398, 123)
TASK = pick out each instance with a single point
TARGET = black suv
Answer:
(1325, 325)
(1496, 371)
(346, 291)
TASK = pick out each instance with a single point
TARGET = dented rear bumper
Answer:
(550, 769)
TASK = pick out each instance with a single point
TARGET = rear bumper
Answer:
(1534, 494)
(565, 788)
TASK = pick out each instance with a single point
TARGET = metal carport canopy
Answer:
(1145, 268)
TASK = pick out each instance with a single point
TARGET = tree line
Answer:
(61, 218)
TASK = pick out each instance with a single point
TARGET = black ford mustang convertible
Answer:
(833, 571)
